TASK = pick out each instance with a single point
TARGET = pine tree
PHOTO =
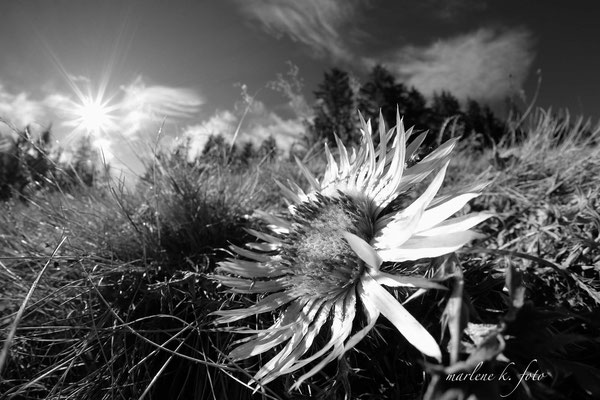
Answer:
(335, 109)
(247, 153)
(445, 105)
(381, 92)
(268, 148)
(85, 161)
(416, 112)
(446, 120)
(216, 150)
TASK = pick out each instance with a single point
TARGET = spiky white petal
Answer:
(419, 247)
(406, 324)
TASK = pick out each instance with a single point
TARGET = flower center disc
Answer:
(322, 261)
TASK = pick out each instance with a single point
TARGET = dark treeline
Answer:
(218, 152)
(30, 163)
(339, 96)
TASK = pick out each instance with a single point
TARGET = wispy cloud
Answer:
(486, 64)
(142, 105)
(315, 23)
(159, 100)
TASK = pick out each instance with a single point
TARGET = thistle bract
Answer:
(317, 263)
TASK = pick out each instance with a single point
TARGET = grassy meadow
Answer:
(106, 291)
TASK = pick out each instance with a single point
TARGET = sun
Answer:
(93, 115)
(90, 113)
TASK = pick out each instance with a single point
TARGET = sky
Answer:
(130, 74)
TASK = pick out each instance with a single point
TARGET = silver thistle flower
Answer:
(327, 255)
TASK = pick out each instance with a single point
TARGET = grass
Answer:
(107, 291)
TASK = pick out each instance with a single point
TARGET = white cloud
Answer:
(135, 109)
(138, 108)
(256, 125)
(131, 109)
(56, 101)
(486, 64)
(285, 131)
(221, 122)
(20, 109)
(315, 23)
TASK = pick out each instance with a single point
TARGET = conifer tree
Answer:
(335, 109)
(382, 92)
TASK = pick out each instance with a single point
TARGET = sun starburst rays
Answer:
(93, 115)
(322, 265)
